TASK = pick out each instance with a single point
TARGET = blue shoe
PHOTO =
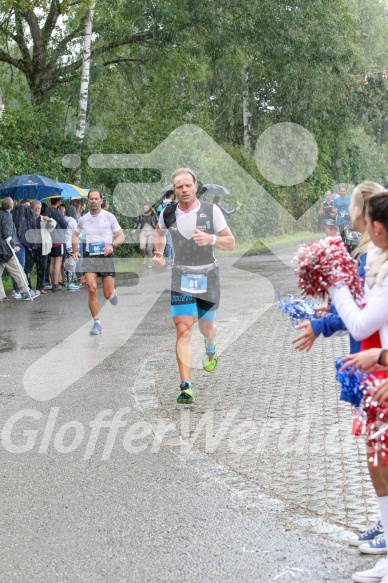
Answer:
(97, 329)
(368, 535)
(115, 300)
(376, 546)
(72, 286)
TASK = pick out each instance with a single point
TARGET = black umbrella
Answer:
(213, 189)
(29, 186)
(168, 188)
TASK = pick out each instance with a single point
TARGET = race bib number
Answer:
(343, 214)
(96, 248)
(194, 283)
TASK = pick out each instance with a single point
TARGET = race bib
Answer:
(96, 248)
(194, 283)
(343, 214)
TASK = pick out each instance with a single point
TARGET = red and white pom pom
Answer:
(324, 263)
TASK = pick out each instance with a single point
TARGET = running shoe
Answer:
(16, 295)
(72, 286)
(186, 395)
(367, 536)
(97, 329)
(209, 361)
(115, 299)
(376, 546)
(378, 573)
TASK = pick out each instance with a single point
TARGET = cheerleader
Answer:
(370, 326)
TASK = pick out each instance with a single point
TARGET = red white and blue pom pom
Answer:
(351, 385)
(297, 308)
(373, 422)
(324, 263)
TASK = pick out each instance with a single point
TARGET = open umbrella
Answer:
(71, 191)
(29, 186)
(213, 189)
(166, 189)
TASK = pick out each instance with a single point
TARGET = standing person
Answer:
(341, 205)
(69, 263)
(100, 226)
(327, 212)
(370, 325)
(58, 236)
(169, 198)
(41, 247)
(8, 259)
(24, 221)
(217, 201)
(146, 223)
(196, 229)
(105, 204)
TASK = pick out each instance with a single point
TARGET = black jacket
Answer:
(7, 229)
(58, 235)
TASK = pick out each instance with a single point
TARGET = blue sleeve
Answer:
(327, 325)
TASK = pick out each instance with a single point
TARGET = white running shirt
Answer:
(98, 228)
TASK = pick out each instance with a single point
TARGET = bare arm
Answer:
(119, 239)
(159, 245)
(74, 243)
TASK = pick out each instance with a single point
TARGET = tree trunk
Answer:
(85, 76)
(2, 104)
(246, 110)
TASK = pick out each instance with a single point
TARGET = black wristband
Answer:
(381, 356)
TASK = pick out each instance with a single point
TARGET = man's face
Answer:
(342, 192)
(94, 201)
(36, 209)
(328, 196)
(185, 188)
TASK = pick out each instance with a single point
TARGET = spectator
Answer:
(70, 263)
(146, 223)
(58, 236)
(41, 247)
(8, 258)
(217, 199)
(24, 220)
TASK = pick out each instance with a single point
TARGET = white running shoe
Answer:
(374, 575)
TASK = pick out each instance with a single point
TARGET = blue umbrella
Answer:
(29, 186)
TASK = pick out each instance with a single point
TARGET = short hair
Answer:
(55, 200)
(36, 202)
(181, 171)
(7, 203)
(96, 190)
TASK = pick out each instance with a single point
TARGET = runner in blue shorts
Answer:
(196, 228)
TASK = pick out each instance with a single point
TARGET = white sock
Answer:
(383, 506)
(113, 295)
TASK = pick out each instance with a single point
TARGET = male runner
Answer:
(196, 229)
(99, 227)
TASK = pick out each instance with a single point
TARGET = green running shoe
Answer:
(186, 395)
(209, 361)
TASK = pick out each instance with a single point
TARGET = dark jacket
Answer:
(58, 235)
(24, 220)
(7, 229)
